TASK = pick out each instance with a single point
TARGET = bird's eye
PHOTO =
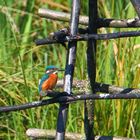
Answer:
(54, 68)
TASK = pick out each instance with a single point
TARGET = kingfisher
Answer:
(49, 80)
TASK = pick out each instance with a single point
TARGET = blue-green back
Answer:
(44, 78)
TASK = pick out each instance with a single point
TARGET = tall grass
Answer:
(22, 64)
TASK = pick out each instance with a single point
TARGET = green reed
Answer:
(22, 64)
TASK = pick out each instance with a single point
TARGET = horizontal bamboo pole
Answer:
(102, 22)
(80, 85)
(44, 134)
(69, 99)
(35, 133)
(85, 37)
(106, 88)
(101, 87)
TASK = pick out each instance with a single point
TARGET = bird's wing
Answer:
(43, 79)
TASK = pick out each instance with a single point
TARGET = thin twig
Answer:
(101, 22)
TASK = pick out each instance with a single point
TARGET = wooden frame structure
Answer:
(66, 97)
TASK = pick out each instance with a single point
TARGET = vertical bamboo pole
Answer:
(136, 4)
(70, 63)
(91, 66)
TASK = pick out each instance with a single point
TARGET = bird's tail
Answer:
(42, 94)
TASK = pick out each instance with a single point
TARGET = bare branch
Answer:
(101, 22)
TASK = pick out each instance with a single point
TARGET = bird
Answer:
(48, 80)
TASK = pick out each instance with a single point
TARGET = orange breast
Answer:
(50, 82)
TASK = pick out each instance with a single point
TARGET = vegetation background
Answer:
(22, 64)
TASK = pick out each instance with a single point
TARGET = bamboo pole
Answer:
(69, 99)
(100, 87)
(70, 63)
(50, 134)
(60, 16)
(35, 133)
(136, 5)
(91, 66)
(86, 37)
(112, 89)
(102, 22)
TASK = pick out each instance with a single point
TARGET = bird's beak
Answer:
(59, 70)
